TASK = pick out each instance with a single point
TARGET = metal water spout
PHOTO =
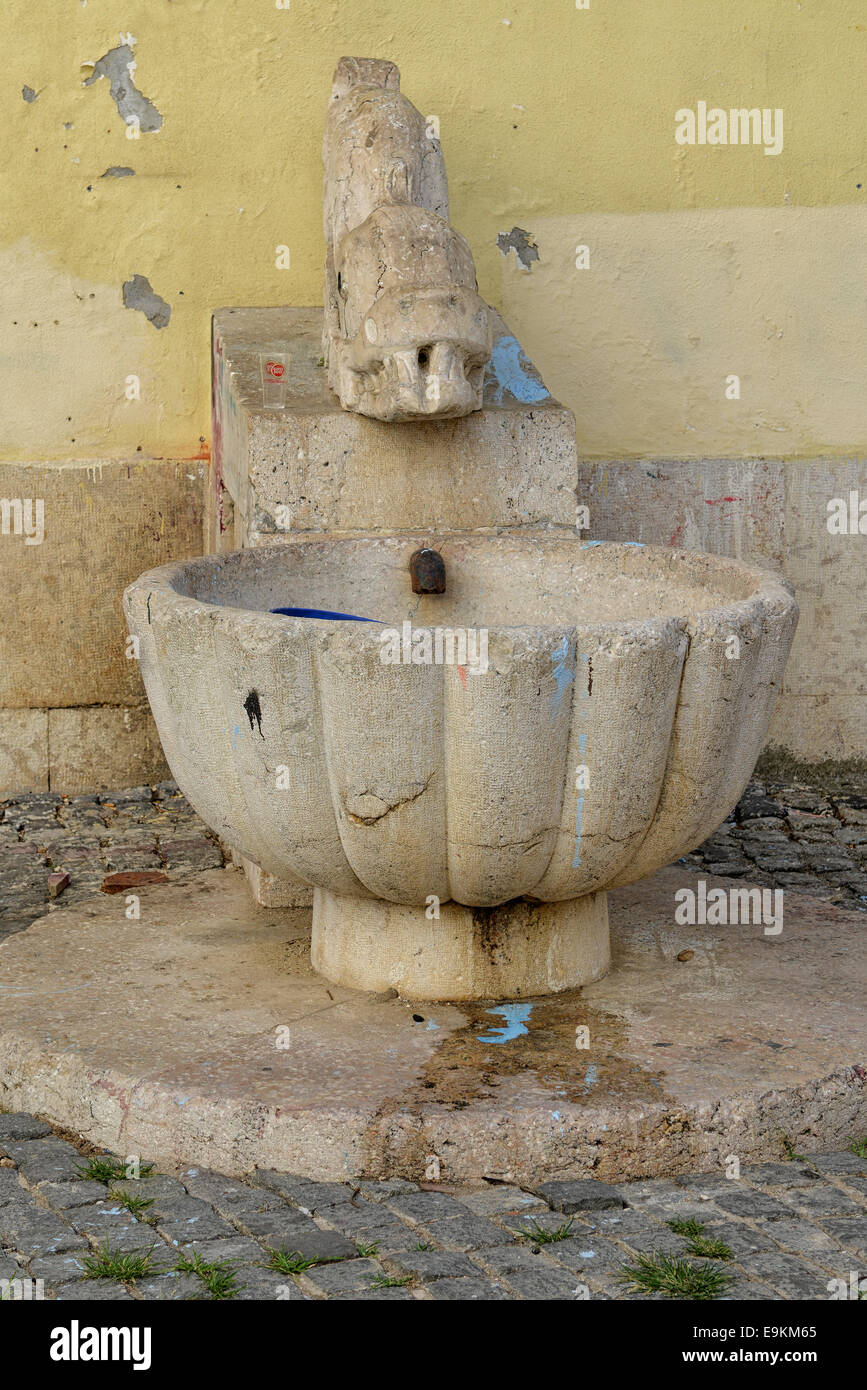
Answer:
(428, 571)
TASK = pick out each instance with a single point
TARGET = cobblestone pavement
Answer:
(793, 837)
(788, 1230)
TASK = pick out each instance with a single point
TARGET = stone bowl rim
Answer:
(771, 589)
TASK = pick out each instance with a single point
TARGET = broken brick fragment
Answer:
(131, 878)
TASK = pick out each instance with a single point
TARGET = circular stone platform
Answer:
(201, 1034)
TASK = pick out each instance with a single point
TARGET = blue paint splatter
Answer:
(579, 808)
(511, 376)
(588, 545)
(235, 738)
(563, 673)
(430, 1025)
(591, 1075)
(515, 1015)
(582, 751)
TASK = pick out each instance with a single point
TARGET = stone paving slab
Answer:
(396, 1241)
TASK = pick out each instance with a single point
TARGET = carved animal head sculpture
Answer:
(406, 334)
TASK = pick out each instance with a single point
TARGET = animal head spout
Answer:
(406, 334)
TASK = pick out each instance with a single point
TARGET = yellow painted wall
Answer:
(705, 261)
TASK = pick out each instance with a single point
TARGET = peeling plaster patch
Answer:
(137, 294)
(118, 171)
(29, 94)
(118, 65)
(522, 243)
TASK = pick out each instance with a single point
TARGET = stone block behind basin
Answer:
(288, 461)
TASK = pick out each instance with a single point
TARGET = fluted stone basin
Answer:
(459, 818)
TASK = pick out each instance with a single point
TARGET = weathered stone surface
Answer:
(30, 1231)
(16, 1127)
(794, 1279)
(227, 1196)
(588, 1255)
(302, 1192)
(253, 1283)
(586, 1263)
(269, 891)
(59, 1269)
(93, 1291)
(296, 1234)
(842, 1163)
(65, 1195)
(421, 1207)
(207, 1227)
(504, 1201)
(755, 1205)
(10, 1186)
(99, 747)
(537, 947)
(466, 1290)
(172, 1287)
(763, 510)
(429, 1265)
(44, 1160)
(584, 1195)
(23, 750)
(344, 1277)
(110, 518)
(545, 1284)
(71, 709)
(850, 1231)
(464, 1233)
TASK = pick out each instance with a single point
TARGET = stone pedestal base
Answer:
(517, 950)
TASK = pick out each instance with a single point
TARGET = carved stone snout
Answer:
(410, 335)
(422, 353)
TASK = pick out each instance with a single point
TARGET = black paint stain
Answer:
(589, 675)
(254, 710)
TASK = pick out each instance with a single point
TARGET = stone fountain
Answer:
(404, 686)
(461, 734)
